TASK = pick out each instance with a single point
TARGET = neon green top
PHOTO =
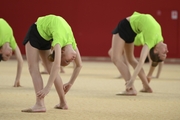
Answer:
(6, 34)
(56, 28)
(139, 40)
(148, 27)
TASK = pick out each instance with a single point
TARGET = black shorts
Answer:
(36, 40)
(125, 31)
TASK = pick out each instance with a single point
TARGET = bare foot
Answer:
(146, 90)
(34, 109)
(17, 84)
(131, 92)
(64, 107)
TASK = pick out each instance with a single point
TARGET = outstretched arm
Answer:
(19, 66)
(55, 66)
(53, 73)
(75, 73)
(143, 55)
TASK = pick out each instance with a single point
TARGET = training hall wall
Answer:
(93, 20)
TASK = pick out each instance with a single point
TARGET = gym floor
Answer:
(93, 95)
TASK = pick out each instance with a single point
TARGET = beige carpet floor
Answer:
(92, 97)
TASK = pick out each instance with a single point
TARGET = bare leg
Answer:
(59, 88)
(132, 60)
(44, 71)
(17, 83)
(146, 87)
(58, 82)
(32, 55)
(123, 58)
(117, 55)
